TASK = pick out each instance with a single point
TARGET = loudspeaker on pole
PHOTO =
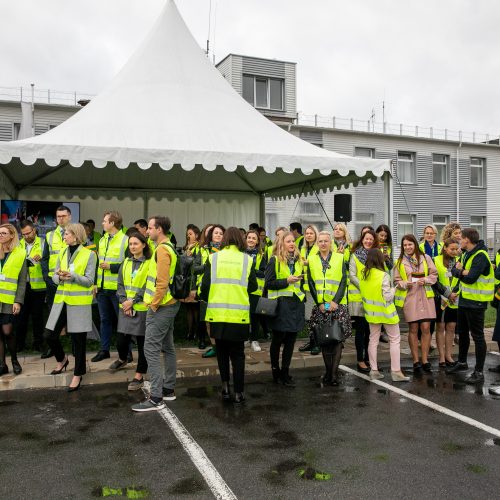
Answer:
(342, 207)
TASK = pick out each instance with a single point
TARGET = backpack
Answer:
(183, 275)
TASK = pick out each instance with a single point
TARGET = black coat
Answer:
(291, 311)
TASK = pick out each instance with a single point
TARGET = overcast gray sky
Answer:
(435, 63)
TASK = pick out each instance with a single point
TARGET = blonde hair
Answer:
(433, 227)
(347, 235)
(279, 250)
(14, 242)
(79, 232)
(315, 231)
(324, 233)
(449, 229)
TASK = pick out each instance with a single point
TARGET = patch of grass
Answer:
(490, 317)
(382, 457)
(450, 447)
(476, 468)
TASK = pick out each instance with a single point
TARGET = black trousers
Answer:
(50, 293)
(34, 302)
(123, 346)
(234, 351)
(362, 338)
(287, 339)
(79, 341)
(471, 320)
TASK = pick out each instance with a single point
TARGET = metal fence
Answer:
(335, 122)
(42, 96)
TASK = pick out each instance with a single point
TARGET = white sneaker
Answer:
(255, 346)
(375, 375)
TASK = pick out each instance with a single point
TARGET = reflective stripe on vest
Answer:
(112, 251)
(55, 243)
(152, 273)
(327, 284)
(228, 300)
(10, 273)
(35, 271)
(134, 285)
(260, 281)
(377, 310)
(353, 293)
(449, 282)
(73, 294)
(400, 296)
(314, 250)
(483, 290)
(282, 272)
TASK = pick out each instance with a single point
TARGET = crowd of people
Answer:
(242, 287)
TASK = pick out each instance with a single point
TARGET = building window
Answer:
(364, 152)
(440, 169)
(361, 219)
(406, 167)
(406, 225)
(440, 221)
(261, 92)
(16, 129)
(478, 223)
(477, 172)
(310, 208)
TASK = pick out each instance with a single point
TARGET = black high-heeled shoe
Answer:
(63, 367)
(73, 389)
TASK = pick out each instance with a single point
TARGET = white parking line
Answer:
(209, 473)
(425, 402)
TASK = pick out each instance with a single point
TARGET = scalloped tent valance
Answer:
(170, 121)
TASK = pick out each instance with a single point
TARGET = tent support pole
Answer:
(262, 210)
(44, 175)
(388, 197)
(8, 184)
(146, 205)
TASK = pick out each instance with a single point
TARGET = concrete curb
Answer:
(190, 365)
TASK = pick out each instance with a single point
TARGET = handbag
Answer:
(329, 332)
(267, 307)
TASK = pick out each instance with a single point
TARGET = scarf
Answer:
(214, 247)
(253, 252)
(291, 262)
(362, 254)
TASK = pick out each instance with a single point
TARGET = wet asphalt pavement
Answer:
(357, 440)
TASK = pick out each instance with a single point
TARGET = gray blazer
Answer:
(79, 318)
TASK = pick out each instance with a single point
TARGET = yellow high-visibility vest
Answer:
(314, 250)
(282, 272)
(376, 309)
(73, 294)
(55, 242)
(400, 297)
(134, 282)
(35, 271)
(9, 275)
(327, 284)
(111, 250)
(483, 290)
(443, 277)
(152, 273)
(228, 300)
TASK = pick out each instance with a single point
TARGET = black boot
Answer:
(239, 398)
(4, 369)
(226, 396)
(276, 374)
(16, 367)
(286, 379)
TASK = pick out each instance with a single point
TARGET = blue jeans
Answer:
(160, 341)
(107, 301)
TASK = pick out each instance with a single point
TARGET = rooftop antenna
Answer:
(372, 119)
(209, 26)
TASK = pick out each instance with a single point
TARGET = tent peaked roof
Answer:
(170, 108)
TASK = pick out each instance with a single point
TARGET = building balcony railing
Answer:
(43, 96)
(334, 122)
